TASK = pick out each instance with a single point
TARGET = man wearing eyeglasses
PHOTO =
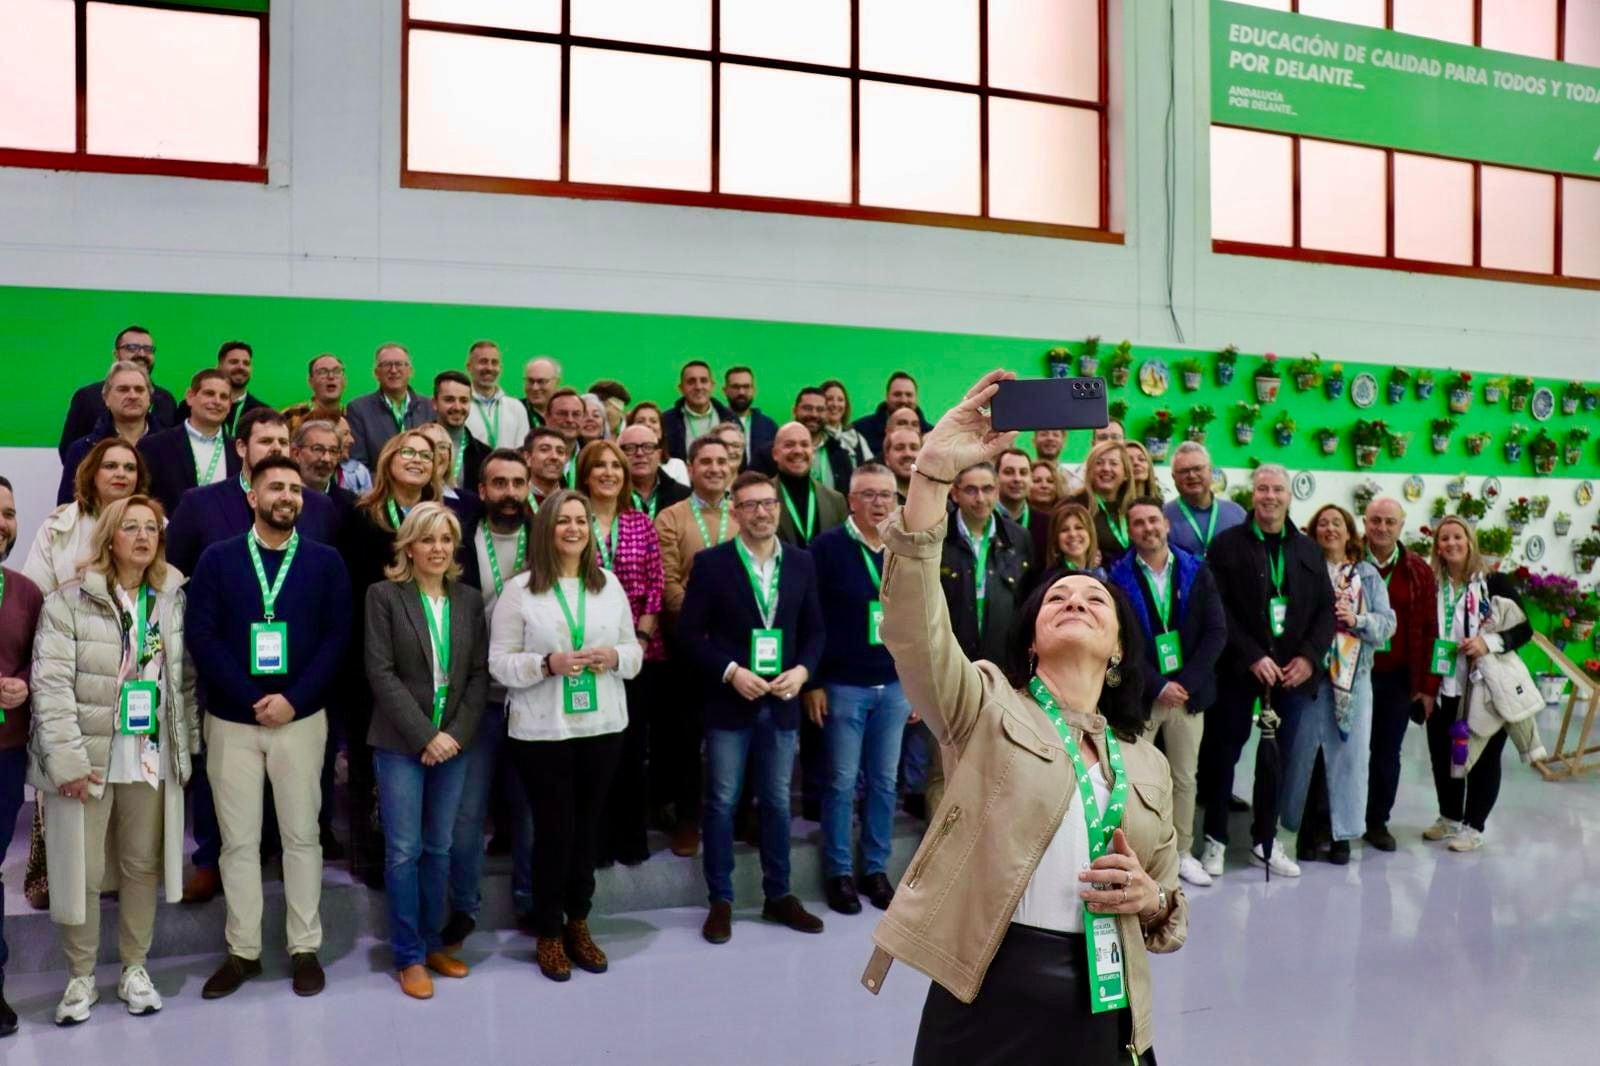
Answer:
(315, 450)
(393, 408)
(858, 702)
(133, 344)
(325, 375)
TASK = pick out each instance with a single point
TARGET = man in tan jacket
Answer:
(704, 520)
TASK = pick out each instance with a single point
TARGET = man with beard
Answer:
(196, 452)
(546, 453)
(234, 359)
(900, 449)
(652, 493)
(498, 420)
(126, 397)
(492, 554)
(830, 462)
(900, 392)
(695, 414)
(325, 375)
(268, 618)
(393, 408)
(88, 404)
(739, 389)
(452, 402)
(316, 452)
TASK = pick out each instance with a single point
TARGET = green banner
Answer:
(1271, 70)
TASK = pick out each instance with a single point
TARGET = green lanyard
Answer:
(494, 556)
(766, 595)
(269, 594)
(398, 412)
(204, 478)
(1274, 561)
(1026, 516)
(1394, 565)
(143, 601)
(980, 580)
(1163, 602)
(607, 551)
(233, 422)
(705, 534)
(438, 629)
(459, 462)
(649, 506)
(574, 626)
(1100, 824)
(698, 425)
(809, 527)
(1117, 525)
(569, 472)
(1211, 526)
(483, 412)
(1451, 599)
(2, 587)
(244, 483)
(395, 515)
(866, 553)
(821, 469)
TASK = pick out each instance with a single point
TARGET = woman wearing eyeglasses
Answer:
(113, 728)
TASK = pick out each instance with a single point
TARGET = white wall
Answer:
(334, 222)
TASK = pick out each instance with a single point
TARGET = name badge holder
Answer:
(766, 652)
(874, 605)
(875, 623)
(1169, 654)
(1443, 660)
(269, 640)
(766, 643)
(1278, 614)
(580, 692)
(136, 708)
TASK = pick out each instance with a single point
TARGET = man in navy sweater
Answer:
(269, 616)
(859, 705)
(752, 626)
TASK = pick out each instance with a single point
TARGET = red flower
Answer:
(1271, 357)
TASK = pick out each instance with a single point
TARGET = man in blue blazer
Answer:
(752, 625)
(178, 458)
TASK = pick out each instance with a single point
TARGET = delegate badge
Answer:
(1278, 614)
(136, 709)
(269, 648)
(1110, 990)
(766, 652)
(875, 622)
(580, 693)
(1169, 654)
(1444, 657)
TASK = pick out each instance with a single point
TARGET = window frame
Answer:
(715, 198)
(81, 159)
(1389, 261)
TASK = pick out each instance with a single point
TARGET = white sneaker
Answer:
(138, 991)
(1278, 862)
(1190, 869)
(76, 1002)
(1210, 858)
(1441, 829)
(1466, 839)
(1535, 754)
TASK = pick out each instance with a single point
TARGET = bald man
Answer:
(806, 506)
(1403, 685)
(541, 376)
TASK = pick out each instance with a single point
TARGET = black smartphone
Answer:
(1050, 403)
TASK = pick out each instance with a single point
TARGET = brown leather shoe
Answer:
(553, 961)
(686, 840)
(233, 972)
(719, 923)
(581, 948)
(308, 976)
(38, 896)
(203, 885)
(415, 982)
(787, 910)
(447, 965)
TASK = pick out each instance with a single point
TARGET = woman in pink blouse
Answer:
(625, 540)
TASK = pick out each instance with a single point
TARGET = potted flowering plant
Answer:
(1494, 389)
(1514, 438)
(1268, 380)
(1591, 398)
(1561, 523)
(1121, 364)
(1587, 550)
(1543, 447)
(1244, 496)
(1572, 396)
(1158, 434)
(1328, 440)
(1306, 373)
(1541, 506)
(1422, 545)
(1059, 359)
(1200, 416)
(1397, 443)
(1225, 364)
(1470, 509)
(1365, 493)
(1089, 357)
(1493, 542)
(1424, 383)
(1368, 437)
(1518, 513)
(1440, 429)
(1244, 421)
(1333, 382)
(1476, 442)
(1461, 393)
(1521, 389)
(1572, 451)
(1439, 505)
(1554, 594)
(1192, 371)
(1584, 614)
(1283, 430)
(1399, 380)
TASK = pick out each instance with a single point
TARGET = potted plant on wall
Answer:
(1424, 383)
(1461, 393)
(1572, 451)
(1268, 380)
(1244, 421)
(1192, 371)
(1561, 524)
(1089, 357)
(1398, 443)
(1456, 486)
(1495, 389)
(1283, 430)
(1439, 434)
(1476, 442)
(1591, 398)
(1244, 496)
(1518, 513)
(1572, 396)
(1439, 505)
(1586, 551)
(1118, 412)
(1333, 382)
(1365, 493)
(1368, 436)
(1120, 364)
(1422, 544)
(1543, 448)
(1306, 373)
(1226, 360)
(1200, 416)
(1514, 438)
(1059, 360)
(1158, 434)
(1585, 612)
(1493, 543)
(1521, 389)
(1470, 509)
(1399, 381)
(1541, 506)
(1328, 440)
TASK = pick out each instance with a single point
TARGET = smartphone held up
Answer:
(1049, 403)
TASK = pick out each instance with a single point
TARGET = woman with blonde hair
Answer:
(1073, 544)
(427, 696)
(114, 725)
(1108, 488)
(1142, 467)
(562, 642)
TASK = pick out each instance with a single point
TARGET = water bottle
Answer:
(1458, 748)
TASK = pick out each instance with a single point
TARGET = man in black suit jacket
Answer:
(739, 388)
(88, 406)
(652, 492)
(1279, 605)
(752, 624)
(452, 404)
(234, 359)
(696, 413)
(197, 448)
(126, 395)
(315, 450)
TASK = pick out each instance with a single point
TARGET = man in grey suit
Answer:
(394, 407)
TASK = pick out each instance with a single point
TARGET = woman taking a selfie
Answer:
(1048, 778)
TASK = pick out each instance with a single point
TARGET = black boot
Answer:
(8, 1017)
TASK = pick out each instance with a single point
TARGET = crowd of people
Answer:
(577, 615)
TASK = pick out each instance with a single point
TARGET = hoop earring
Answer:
(1114, 672)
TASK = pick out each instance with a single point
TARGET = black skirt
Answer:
(1032, 1010)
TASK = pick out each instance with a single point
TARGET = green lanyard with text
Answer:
(493, 428)
(580, 692)
(648, 506)
(1274, 560)
(233, 422)
(1163, 602)
(396, 515)
(439, 632)
(1117, 525)
(494, 557)
(705, 534)
(269, 593)
(607, 550)
(808, 528)
(398, 412)
(459, 462)
(1211, 524)
(1278, 604)
(766, 594)
(980, 580)
(204, 477)
(875, 605)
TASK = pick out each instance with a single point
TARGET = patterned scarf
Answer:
(1345, 655)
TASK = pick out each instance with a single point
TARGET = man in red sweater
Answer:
(1400, 676)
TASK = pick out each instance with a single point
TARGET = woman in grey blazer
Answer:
(427, 649)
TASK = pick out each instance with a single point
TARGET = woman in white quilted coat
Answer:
(114, 724)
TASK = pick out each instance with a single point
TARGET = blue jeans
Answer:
(863, 731)
(13, 768)
(466, 845)
(773, 752)
(418, 805)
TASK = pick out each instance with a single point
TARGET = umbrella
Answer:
(1269, 770)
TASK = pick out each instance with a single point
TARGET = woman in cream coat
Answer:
(109, 644)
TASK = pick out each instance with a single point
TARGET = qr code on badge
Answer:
(580, 701)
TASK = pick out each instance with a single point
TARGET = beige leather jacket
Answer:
(1010, 784)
